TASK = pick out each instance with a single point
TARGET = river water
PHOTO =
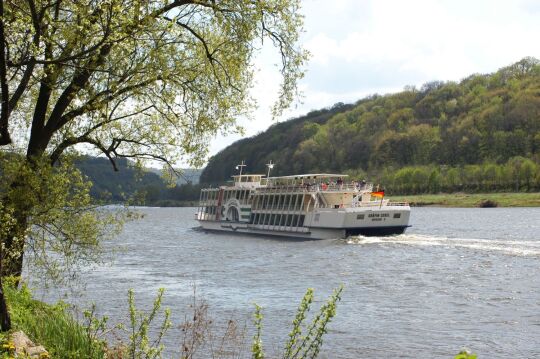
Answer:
(458, 278)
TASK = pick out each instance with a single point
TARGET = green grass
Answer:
(51, 326)
(471, 200)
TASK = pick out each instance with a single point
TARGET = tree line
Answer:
(518, 174)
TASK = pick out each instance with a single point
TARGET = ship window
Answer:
(288, 220)
(397, 215)
(282, 220)
(359, 216)
(302, 217)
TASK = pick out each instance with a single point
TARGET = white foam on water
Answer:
(511, 247)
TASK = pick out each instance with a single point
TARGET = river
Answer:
(457, 278)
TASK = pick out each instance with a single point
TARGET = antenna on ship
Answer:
(270, 165)
(241, 166)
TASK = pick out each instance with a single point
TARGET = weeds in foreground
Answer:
(305, 340)
(464, 354)
(52, 326)
(200, 334)
(140, 345)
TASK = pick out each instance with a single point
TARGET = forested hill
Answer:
(136, 186)
(482, 119)
(277, 143)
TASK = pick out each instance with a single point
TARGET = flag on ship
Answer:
(378, 194)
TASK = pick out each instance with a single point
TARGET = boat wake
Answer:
(528, 248)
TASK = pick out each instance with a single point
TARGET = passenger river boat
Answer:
(309, 206)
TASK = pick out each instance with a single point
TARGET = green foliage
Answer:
(519, 174)
(54, 327)
(140, 345)
(484, 119)
(257, 346)
(305, 340)
(55, 215)
(141, 79)
(464, 354)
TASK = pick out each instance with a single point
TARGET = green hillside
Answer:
(278, 142)
(141, 187)
(481, 133)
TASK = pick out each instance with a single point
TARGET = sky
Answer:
(363, 47)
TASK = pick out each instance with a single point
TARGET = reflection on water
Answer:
(458, 277)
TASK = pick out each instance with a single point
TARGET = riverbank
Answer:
(472, 199)
(51, 326)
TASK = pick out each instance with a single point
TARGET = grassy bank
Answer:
(51, 326)
(472, 199)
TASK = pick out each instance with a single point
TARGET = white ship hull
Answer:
(326, 224)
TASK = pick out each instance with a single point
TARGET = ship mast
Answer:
(270, 165)
(241, 166)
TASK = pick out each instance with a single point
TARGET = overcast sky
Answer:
(379, 46)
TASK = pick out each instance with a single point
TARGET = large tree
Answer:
(140, 79)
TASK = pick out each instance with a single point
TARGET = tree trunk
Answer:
(5, 320)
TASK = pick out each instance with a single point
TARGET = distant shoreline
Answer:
(455, 200)
(471, 200)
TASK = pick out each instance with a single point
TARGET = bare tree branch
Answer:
(4, 111)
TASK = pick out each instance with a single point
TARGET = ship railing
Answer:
(385, 203)
(337, 187)
(398, 204)
(319, 187)
(365, 204)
